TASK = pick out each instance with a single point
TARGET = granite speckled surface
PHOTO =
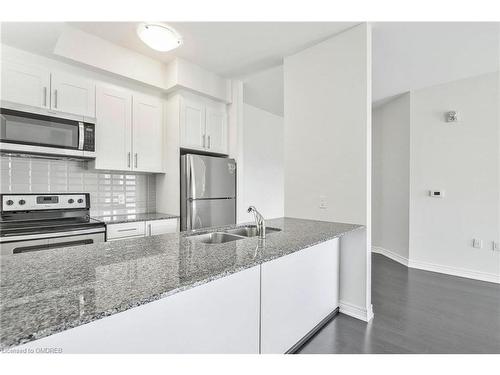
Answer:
(129, 218)
(42, 293)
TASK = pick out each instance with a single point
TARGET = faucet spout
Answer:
(259, 222)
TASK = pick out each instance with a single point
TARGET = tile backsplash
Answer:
(111, 193)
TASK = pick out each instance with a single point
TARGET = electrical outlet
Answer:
(477, 243)
(495, 246)
(323, 204)
(121, 198)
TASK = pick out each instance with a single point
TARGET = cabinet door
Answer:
(192, 120)
(216, 125)
(147, 134)
(72, 94)
(25, 84)
(125, 230)
(155, 227)
(113, 129)
(297, 292)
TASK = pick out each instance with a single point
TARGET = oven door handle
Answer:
(25, 237)
(27, 249)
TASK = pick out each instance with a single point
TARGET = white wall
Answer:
(263, 160)
(327, 114)
(264, 90)
(462, 159)
(391, 175)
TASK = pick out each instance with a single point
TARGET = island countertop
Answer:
(46, 292)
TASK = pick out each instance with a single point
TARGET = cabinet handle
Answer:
(149, 229)
(128, 160)
(135, 159)
(127, 230)
(203, 140)
(55, 98)
(209, 141)
(45, 96)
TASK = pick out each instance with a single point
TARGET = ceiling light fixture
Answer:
(159, 36)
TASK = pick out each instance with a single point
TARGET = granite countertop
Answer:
(128, 218)
(45, 292)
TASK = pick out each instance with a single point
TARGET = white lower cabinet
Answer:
(140, 229)
(297, 292)
(155, 227)
(125, 230)
(221, 316)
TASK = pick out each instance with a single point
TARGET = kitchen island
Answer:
(173, 294)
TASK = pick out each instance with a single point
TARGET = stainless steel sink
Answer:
(250, 231)
(216, 237)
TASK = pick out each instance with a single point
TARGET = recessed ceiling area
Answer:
(230, 49)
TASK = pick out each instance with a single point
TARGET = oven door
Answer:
(18, 247)
(40, 134)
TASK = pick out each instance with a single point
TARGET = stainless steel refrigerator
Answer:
(208, 191)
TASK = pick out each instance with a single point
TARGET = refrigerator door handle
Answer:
(189, 167)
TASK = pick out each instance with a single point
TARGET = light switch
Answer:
(495, 246)
(323, 204)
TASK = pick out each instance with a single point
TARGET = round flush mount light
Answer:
(159, 36)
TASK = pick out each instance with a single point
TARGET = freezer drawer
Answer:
(210, 212)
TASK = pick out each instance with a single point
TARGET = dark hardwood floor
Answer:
(417, 312)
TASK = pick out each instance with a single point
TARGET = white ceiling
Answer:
(405, 56)
(227, 48)
(413, 55)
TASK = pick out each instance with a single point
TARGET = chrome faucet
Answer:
(259, 222)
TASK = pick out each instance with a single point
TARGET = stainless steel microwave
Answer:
(44, 134)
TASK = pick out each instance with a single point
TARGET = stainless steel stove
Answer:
(35, 222)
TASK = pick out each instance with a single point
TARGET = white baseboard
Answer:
(390, 254)
(426, 266)
(461, 272)
(356, 311)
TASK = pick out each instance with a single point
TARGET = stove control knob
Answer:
(22, 202)
(80, 200)
(10, 202)
(71, 201)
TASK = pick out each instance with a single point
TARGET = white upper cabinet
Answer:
(203, 124)
(38, 87)
(129, 131)
(72, 94)
(147, 134)
(25, 84)
(113, 129)
(192, 118)
(216, 130)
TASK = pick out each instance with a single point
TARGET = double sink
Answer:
(229, 234)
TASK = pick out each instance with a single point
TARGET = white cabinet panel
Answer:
(25, 84)
(221, 316)
(125, 230)
(192, 119)
(113, 129)
(72, 94)
(155, 227)
(297, 292)
(147, 134)
(216, 130)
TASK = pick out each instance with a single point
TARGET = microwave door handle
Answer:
(81, 135)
